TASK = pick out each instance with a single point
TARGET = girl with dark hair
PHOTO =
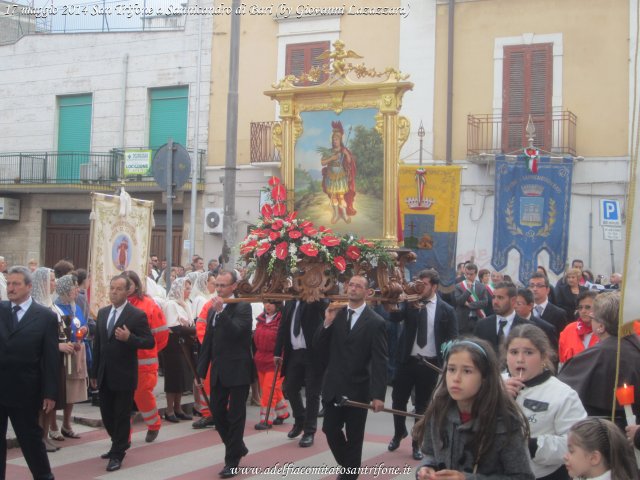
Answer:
(472, 425)
(551, 407)
(599, 451)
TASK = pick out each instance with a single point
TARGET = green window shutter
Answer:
(74, 135)
(169, 114)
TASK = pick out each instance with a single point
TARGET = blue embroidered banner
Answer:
(532, 213)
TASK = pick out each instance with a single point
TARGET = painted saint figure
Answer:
(123, 250)
(339, 176)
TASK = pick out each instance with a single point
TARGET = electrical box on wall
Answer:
(213, 220)
(9, 208)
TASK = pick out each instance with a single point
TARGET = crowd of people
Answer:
(478, 363)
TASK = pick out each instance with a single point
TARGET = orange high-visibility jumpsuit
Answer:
(201, 328)
(148, 361)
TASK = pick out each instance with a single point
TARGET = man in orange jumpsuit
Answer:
(201, 327)
(148, 359)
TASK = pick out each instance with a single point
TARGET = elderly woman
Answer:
(567, 294)
(579, 335)
(76, 372)
(44, 286)
(177, 376)
(592, 372)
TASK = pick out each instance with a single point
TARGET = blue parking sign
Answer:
(610, 212)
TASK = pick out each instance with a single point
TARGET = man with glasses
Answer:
(543, 308)
(578, 335)
(471, 297)
(226, 349)
(524, 309)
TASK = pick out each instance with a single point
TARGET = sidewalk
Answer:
(84, 414)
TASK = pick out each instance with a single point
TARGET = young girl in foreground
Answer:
(599, 451)
(550, 406)
(472, 426)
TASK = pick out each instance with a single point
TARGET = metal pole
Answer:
(613, 266)
(448, 158)
(195, 157)
(229, 229)
(590, 239)
(169, 235)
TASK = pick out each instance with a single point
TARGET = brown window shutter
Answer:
(527, 85)
(301, 57)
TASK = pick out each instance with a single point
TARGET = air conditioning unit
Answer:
(213, 220)
(89, 172)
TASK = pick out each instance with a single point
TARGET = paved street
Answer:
(183, 453)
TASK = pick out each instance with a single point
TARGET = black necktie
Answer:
(14, 315)
(297, 320)
(502, 324)
(350, 318)
(421, 338)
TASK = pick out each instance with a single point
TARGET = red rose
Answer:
(273, 181)
(277, 225)
(282, 250)
(274, 235)
(353, 252)
(330, 241)
(310, 231)
(266, 211)
(263, 248)
(279, 193)
(340, 263)
(293, 234)
(279, 209)
(309, 249)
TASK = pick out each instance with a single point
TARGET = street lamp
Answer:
(421, 134)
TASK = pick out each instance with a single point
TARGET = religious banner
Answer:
(428, 206)
(532, 212)
(119, 240)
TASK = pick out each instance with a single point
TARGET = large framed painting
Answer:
(340, 141)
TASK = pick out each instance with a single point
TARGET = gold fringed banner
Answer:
(119, 240)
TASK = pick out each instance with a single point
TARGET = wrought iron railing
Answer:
(505, 134)
(73, 168)
(261, 143)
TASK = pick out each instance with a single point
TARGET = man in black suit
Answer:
(427, 325)
(470, 297)
(121, 329)
(353, 340)
(543, 308)
(227, 349)
(28, 371)
(524, 309)
(301, 366)
(495, 328)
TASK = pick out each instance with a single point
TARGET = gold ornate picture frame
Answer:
(340, 142)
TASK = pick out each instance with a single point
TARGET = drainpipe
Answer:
(450, 81)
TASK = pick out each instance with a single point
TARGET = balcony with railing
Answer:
(490, 134)
(24, 171)
(262, 147)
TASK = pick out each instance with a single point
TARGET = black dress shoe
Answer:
(262, 426)
(228, 471)
(306, 440)
(295, 430)
(105, 456)
(417, 453)
(183, 416)
(151, 435)
(395, 442)
(203, 422)
(114, 464)
(171, 418)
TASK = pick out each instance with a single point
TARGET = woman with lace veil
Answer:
(177, 375)
(44, 286)
(76, 372)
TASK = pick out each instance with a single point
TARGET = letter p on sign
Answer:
(610, 212)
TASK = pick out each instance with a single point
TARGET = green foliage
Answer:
(366, 145)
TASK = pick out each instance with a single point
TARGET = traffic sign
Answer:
(181, 166)
(612, 233)
(610, 212)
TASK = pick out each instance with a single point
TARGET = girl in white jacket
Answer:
(551, 406)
